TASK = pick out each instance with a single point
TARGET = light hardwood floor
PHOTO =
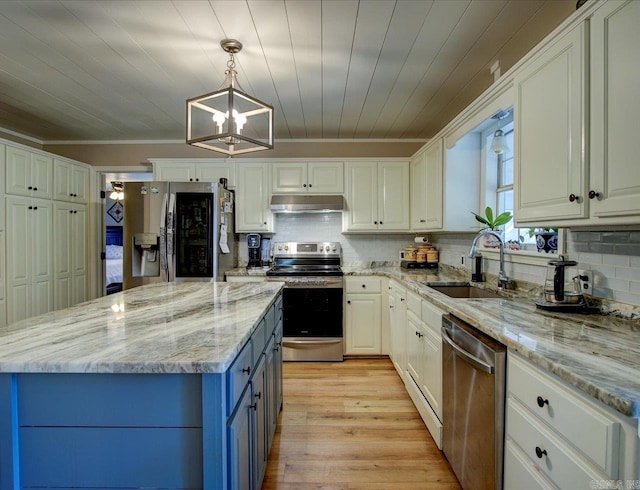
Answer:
(352, 425)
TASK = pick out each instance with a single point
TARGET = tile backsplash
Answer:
(613, 257)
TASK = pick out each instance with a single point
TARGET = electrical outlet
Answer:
(586, 281)
(462, 260)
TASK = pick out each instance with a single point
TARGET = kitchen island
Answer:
(162, 386)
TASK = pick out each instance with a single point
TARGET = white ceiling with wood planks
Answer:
(74, 71)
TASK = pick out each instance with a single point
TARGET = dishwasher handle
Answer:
(471, 359)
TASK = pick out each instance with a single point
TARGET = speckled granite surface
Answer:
(190, 327)
(598, 354)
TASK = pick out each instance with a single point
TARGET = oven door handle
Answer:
(310, 342)
(471, 359)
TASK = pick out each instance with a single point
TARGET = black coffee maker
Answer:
(255, 256)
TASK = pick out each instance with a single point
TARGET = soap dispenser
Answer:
(477, 274)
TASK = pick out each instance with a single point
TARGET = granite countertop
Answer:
(598, 354)
(191, 327)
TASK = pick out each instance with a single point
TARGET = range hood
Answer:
(306, 204)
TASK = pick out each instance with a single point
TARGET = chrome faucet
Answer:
(503, 280)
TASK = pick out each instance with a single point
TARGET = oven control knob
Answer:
(286, 247)
(327, 248)
(279, 248)
(334, 248)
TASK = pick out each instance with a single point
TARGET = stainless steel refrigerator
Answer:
(177, 231)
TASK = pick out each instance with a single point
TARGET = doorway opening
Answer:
(113, 186)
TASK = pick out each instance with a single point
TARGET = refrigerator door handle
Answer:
(170, 239)
(163, 235)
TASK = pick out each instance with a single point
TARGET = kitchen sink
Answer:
(467, 291)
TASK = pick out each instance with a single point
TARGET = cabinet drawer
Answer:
(238, 376)
(549, 452)
(414, 303)
(259, 339)
(566, 413)
(362, 284)
(432, 317)
(520, 473)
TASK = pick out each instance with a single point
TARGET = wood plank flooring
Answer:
(352, 425)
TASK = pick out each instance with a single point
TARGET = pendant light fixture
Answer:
(117, 192)
(499, 143)
(229, 120)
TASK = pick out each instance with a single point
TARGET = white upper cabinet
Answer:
(377, 195)
(614, 189)
(185, 170)
(28, 174)
(393, 192)
(565, 176)
(444, 190)
(310, 178)
(70, 182)
(252, 198)
(549, 116)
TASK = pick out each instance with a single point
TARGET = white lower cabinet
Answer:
(423, 378)
(558, 437)
(29, 269)
(70, 254)
(397, 326)
(363, 325)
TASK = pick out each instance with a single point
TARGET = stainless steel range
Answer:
(312, 299)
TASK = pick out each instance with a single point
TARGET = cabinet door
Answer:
(18, 172)
(289, 177)
(78, 241)
(19, 239)
(418, 174)
(363, 325)
(41, 257)
(41, 175)
(62, 190)
(615, 76)
(214, 171)
(393, 192)
(549, 115)
(252, 197)
(326, 177)
(361, 196)
(398, 326)
(62, 253)
(414, 348)
(431, 377)
(272, 411)
(80, 184)
(241, 458)
(174, 172)
(434, 188)
(259, 406)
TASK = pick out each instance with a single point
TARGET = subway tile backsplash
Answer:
(612, 256)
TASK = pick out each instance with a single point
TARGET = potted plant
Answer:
(546, 239)
(492, 222)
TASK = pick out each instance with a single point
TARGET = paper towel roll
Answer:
(421, 239)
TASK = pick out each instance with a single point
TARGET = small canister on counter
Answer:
(410, 253)
(432, 255)
(421, 254)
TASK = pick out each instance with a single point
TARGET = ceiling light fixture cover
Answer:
(250, 127)
(499, 143)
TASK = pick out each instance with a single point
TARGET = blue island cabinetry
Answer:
(127, 430)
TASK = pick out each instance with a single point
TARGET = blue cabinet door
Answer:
(272, 413)
(241, 474)
(260, 399)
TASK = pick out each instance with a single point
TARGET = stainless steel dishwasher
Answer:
(473, 391)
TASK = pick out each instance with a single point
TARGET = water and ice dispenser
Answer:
(145, 261)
